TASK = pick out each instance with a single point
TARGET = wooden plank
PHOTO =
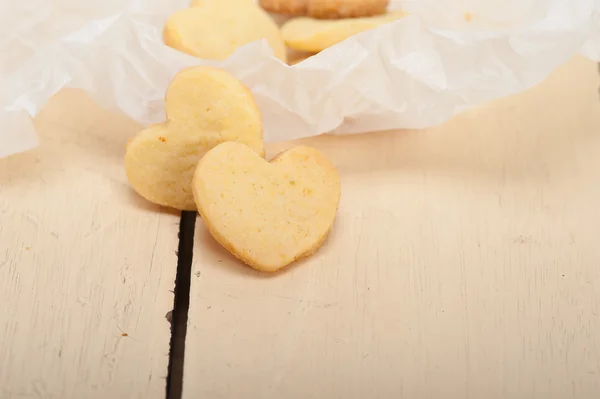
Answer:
(464, 264)
(86, 267)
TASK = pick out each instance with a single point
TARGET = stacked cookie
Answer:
(311, 35)
(208, 156)
(326, 9)
(319, 24)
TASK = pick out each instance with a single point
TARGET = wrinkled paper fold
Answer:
(416, 72)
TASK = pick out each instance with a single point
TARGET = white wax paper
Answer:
(416, 72)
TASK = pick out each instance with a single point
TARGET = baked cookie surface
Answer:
(267, 214)
(205, 107)
(326, 9)
(215, 29)
(314, 35)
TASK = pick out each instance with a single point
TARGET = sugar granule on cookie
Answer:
(205, 107)
(314, 35)
(267, 214)
(214, 29)
(326, 9)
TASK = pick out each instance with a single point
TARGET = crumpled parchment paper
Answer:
(448, 56)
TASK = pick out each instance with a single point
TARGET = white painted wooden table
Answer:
(464, 264)
(86, 267)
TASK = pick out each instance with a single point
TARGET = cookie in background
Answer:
(295, 57)
(314, 35)
(214, 29)
(328, 9)
(197, 3)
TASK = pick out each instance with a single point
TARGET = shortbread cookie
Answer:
(314, 35)
(205, 107)
(267, 214)
(215, 29)
(196, 3)
(296, 57)
(326, 9)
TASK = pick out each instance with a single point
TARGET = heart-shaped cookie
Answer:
(326, 9)
(214, 29)
(267, 214)
(314, 35)
(205, 107)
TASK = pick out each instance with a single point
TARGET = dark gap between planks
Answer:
(181, 304)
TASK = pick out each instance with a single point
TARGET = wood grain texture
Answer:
(86, 267)
(464, 263)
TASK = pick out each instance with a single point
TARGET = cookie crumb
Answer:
(124, 335)
(161, 138)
